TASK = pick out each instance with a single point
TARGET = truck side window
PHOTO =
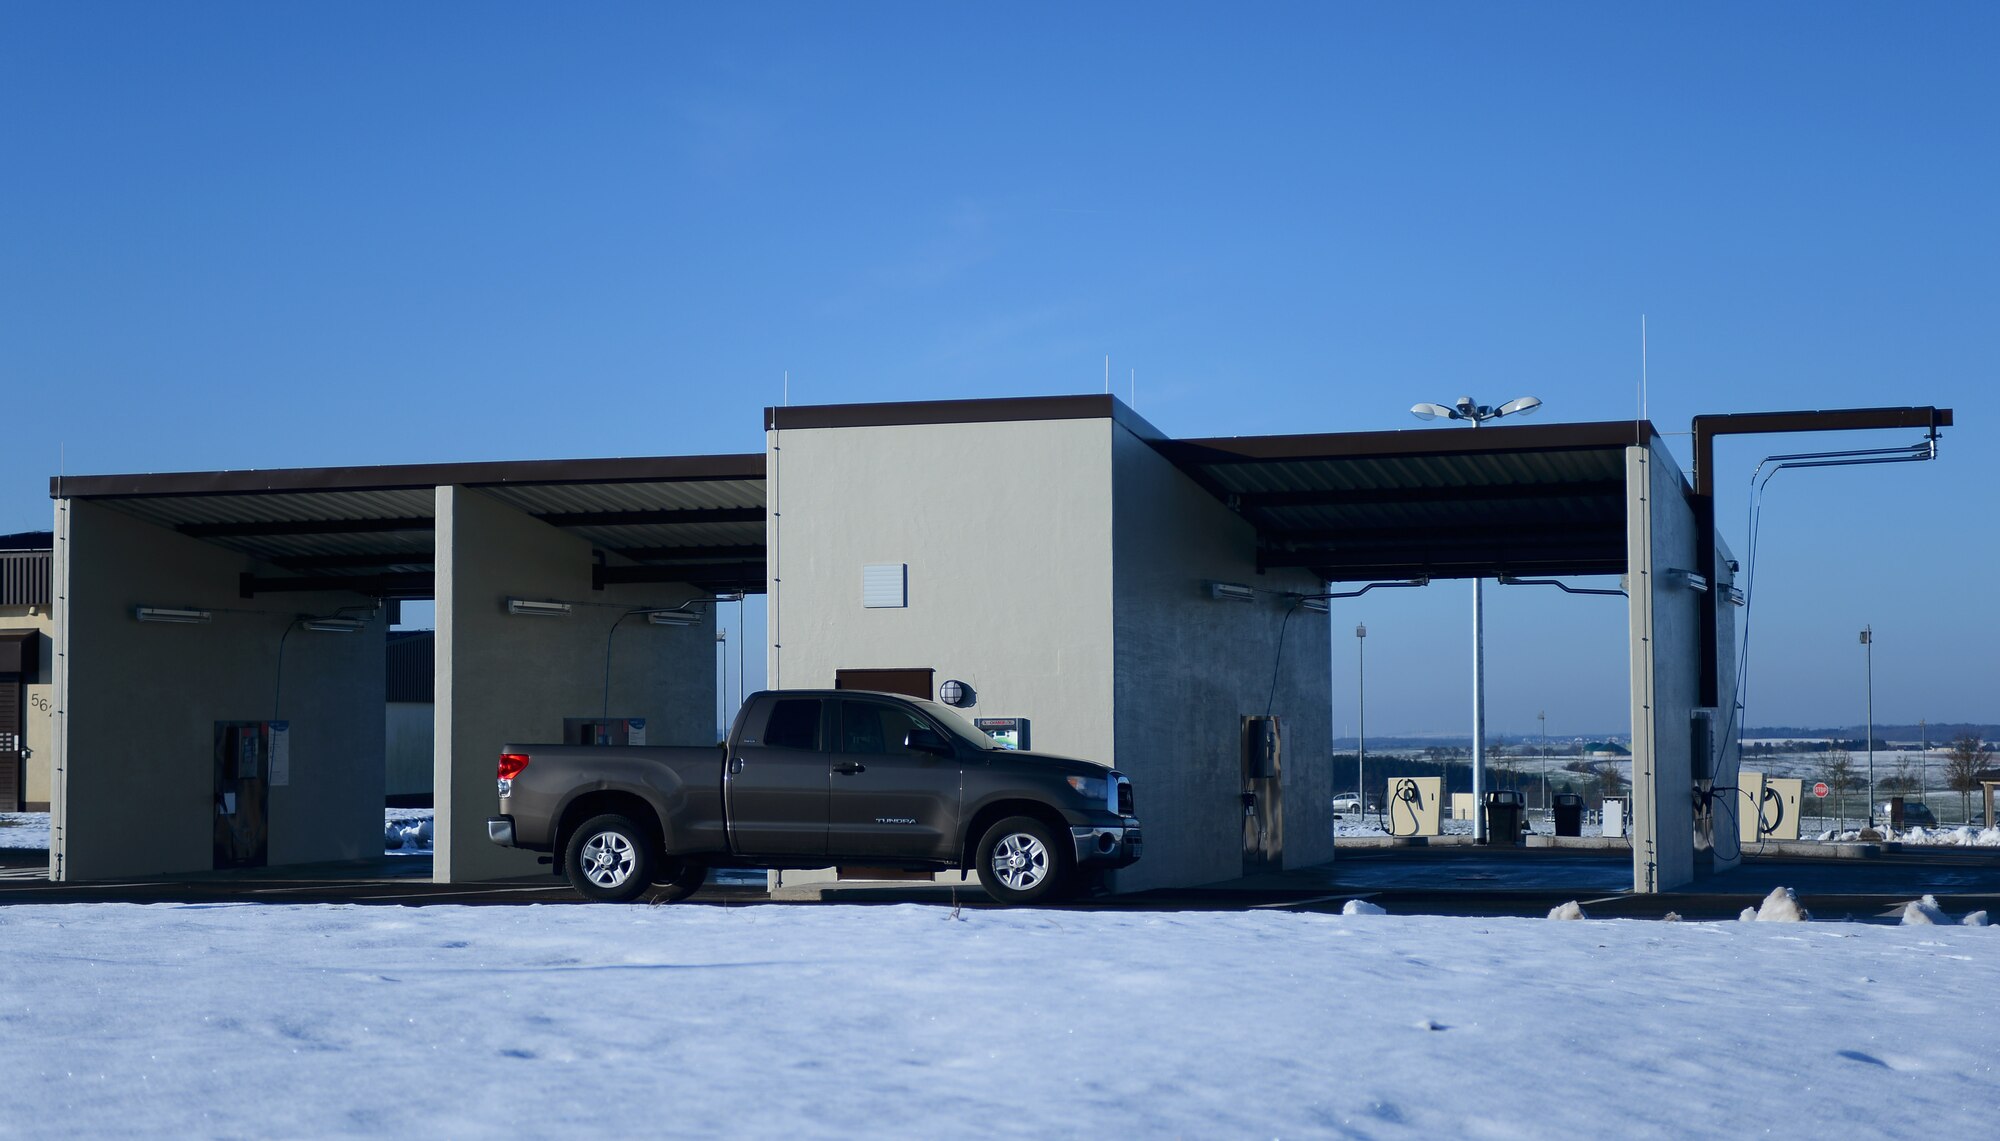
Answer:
(794, 724)
(866, 727)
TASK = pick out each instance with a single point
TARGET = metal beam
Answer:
(305, 527)
(754, 551)
(1707, 428)
(732, 573)
(409, 584)
(653, 518)
(1372, 496)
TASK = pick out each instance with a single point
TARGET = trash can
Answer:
(1569, 814)
(1503, 818)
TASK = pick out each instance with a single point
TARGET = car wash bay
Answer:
(219, 644)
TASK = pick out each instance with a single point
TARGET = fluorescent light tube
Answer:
(170, 614)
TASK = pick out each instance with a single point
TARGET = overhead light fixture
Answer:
(1472, 412)
(1314, 605)
(1690, 579)
(1231, 592)
(334, 625)
(170, 614)
(533, 607)
(672, 618)
(730, 596)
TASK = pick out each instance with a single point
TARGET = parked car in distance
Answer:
(1347, 804)
(1914, 815)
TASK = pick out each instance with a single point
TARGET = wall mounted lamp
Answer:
(672, 617)
(1230, 592)
(170, 614)
(531, 606)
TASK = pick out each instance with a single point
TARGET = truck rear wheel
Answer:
(609, 859)
(676, 879)
(1020, 861)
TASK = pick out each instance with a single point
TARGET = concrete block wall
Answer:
(134, 777)
(1189, 667)
(510, 678)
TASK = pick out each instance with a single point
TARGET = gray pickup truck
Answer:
(813, 779)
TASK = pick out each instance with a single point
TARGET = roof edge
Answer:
(397, 477)
(995, 410)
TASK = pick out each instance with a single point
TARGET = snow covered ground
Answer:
(835, 1021)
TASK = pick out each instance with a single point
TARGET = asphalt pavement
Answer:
(1467, 881)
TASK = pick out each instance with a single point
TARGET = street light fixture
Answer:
(1467, 410)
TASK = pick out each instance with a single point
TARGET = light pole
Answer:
(1465, 409)
(1361, 718)
(1868, 648)
(1543, 717)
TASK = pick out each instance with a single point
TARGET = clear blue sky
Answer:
(255, 235)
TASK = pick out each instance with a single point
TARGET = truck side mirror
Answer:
(926, 741)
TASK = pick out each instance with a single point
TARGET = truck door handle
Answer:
(735, 765)
(849, 768)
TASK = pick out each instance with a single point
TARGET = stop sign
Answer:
(1820, 790)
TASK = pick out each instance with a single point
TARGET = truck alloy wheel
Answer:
(1020, 862)
(609, 858)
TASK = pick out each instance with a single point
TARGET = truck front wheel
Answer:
(1020, 861)
(609, 859)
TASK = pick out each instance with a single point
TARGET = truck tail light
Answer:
(511, 765)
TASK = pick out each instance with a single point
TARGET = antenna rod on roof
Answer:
(1642, 375)
(1107, 374)
(1133, 392)
(788, 388)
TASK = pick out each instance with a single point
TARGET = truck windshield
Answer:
(954, 723)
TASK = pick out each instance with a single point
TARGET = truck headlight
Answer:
(1092, 788)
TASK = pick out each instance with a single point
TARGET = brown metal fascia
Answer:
(404, 477)
(1000, 410)
(1707, 428)
(1411, 443)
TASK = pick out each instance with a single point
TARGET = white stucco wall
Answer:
(1188, 669)
(136, 704)
(1006, 529)
(1666, 651)
(508, 678)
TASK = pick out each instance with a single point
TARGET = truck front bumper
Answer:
(500, 830)
(1112, 846)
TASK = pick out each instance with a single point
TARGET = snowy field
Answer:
(834, 1021)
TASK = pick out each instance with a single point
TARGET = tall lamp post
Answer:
(1475, 414)
(1868, 648)
(1361, 717)
(1543, 717)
